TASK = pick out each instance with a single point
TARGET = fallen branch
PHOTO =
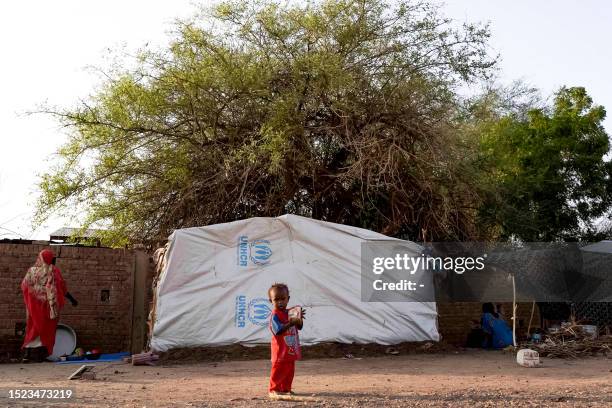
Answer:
(144, 359)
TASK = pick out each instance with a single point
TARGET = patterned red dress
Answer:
(285, 350)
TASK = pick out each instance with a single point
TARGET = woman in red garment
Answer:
(43, 293)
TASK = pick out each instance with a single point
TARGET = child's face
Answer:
(279, 298)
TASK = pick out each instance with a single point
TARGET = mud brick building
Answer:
(455, 319)
(112, 287)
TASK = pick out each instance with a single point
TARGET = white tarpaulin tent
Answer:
(212, 289)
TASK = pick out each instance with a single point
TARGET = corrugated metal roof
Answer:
(67, 232)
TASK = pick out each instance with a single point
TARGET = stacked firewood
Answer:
(571, 341)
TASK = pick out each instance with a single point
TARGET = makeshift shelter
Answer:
(597, 267)
(212, 286)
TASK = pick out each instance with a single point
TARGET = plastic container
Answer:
(296, 313)
(589, 329)
(528, 358)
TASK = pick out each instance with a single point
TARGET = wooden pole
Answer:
(530, 319)
(513, 312)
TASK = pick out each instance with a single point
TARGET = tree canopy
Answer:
(546, 170)
(342, 110)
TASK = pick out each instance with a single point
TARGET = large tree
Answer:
(545, 167)
(342, 110)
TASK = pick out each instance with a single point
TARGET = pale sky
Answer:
(47, 46)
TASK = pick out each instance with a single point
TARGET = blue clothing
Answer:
(500, 334)
(275, 324)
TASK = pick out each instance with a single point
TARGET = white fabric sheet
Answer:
(213, 290)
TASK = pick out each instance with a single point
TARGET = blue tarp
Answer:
(104, 358)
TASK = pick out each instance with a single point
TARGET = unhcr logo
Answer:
(241, 311)
(258, 251)
(243, 250)
(259, 311)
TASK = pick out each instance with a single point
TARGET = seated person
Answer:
(497, 332)
(476, 336)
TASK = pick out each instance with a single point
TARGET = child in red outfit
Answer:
(285, 344)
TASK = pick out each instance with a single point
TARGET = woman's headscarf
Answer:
(40, 280)
(489, 308)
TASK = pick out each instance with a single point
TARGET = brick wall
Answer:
(99, 321)
(107, 324)
(454, 319)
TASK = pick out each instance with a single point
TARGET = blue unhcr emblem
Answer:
(260, 251)
(259, 311)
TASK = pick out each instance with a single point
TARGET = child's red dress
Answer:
(285, 349)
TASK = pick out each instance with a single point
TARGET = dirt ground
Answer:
(467, 378)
